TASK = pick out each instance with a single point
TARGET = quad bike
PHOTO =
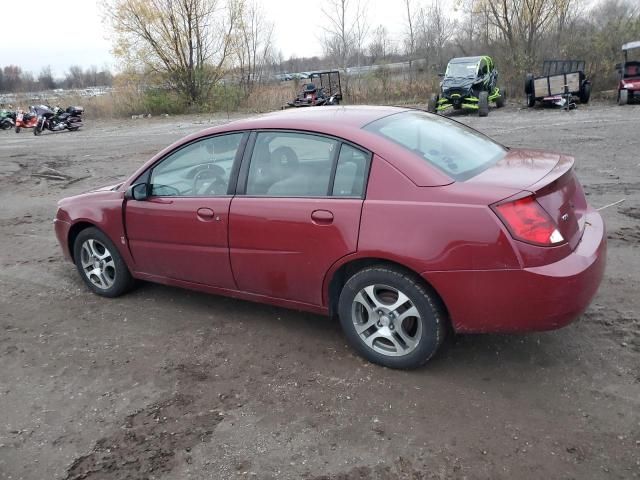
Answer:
(7, 119)
(629, 76)
(26, 119)
(469, 83)
(56, 119)
(324, 89)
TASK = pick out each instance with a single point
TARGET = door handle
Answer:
(322, 217)
(205, 214)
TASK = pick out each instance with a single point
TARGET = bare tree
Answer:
(360, 30)
(410, 34)
(45, 79)
(380, 46)
(254, 44)
(338, 32)
(186, 42)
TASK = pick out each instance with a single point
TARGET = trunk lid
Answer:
(551, 179)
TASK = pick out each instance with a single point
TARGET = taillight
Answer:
(527, 221)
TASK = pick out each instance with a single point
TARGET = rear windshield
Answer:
(457, 150)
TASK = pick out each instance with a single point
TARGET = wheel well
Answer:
(73, 234)
(345, 272)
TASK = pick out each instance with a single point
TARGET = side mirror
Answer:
(139, 191)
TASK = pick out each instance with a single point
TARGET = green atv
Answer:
(469, 83)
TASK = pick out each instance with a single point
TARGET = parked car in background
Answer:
(629, 76)
(404, 224)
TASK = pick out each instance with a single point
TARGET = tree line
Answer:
(192, 46)
(13, 79)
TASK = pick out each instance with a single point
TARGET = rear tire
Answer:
(585, 93)
(528, 84)
(391, 318)
(623, 97)
(483, 104)
(501, 100)
(531, 100)
(100, 265)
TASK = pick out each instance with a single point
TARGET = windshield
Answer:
(462, 70)
(457, 150)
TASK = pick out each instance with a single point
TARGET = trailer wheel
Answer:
(531, 100)
(501, 100)
(483, 104)
(528, 84)
(432, 104)
(623, 97)
(585, 92)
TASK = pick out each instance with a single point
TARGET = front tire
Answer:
(18, 129)
(432, 104)
(483, 104)
(100, 265)
(391, 318)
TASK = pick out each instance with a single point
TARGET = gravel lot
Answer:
(165, 383)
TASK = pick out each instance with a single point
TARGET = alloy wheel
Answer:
(98, 264)
(386, 320)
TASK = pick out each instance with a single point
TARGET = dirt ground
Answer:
(164, 383)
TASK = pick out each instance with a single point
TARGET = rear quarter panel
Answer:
(431, 228)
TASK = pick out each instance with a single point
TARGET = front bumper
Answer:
(530, 299)
(62, 234)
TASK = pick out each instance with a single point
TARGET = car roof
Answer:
(465, 60)
(330, 120)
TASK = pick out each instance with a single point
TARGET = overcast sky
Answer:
(65, 33)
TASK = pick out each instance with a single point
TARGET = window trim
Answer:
(233, 176)
(243, 176)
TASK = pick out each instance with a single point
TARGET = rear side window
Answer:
(350, 172)
(457, 150)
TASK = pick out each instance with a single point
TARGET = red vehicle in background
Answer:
(26, 119)
(629, 71)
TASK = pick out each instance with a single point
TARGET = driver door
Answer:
(180, 231)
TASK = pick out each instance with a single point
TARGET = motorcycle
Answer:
(56, 119)
(7, 119)
(26, 119)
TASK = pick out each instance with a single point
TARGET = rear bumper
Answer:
(531, 299)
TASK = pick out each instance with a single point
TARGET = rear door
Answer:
(296, 212)
(181, 231)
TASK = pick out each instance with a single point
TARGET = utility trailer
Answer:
(561, 81)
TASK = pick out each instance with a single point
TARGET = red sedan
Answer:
(405, 225)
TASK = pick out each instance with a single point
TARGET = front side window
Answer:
(200, 169)
(457, 150)
(285, 164)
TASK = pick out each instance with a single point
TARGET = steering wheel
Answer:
(217, 185)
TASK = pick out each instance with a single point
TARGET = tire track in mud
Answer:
(151, 442)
